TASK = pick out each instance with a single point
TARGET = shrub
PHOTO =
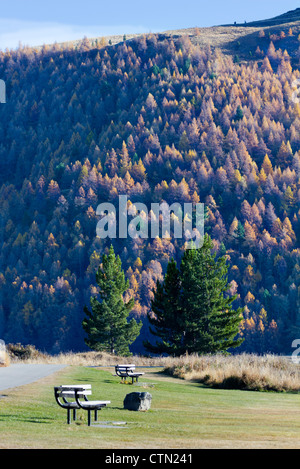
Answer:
(245, 371)
(21, 352)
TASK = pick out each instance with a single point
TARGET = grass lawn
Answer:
(183, 415)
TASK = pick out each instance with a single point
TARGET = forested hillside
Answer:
(157, 119)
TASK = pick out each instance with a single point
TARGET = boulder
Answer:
(138, 401)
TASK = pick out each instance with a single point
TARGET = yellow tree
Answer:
(267, 165)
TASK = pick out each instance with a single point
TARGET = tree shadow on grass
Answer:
(19, 418)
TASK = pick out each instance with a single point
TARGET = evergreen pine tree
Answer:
(211, 323)
(239, 114)
(167, 320)
(193, 312)
(106, 324)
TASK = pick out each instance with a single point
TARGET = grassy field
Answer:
(183, 415)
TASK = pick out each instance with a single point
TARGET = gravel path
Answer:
(20, 374)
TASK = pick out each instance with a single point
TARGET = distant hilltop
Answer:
(289, 17)
(238, 40)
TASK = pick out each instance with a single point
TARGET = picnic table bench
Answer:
(127, 371)
(77, 392)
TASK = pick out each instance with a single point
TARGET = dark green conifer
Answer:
(106, 324)
(167, 320)
(202, 319)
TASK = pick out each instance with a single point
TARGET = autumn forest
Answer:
(158, 119)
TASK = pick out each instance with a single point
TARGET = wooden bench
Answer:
(127, 371)
(77, 392)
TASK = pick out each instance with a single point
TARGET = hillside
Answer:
(237, 39)
(157, 117)
(241, 40)
(288, 17)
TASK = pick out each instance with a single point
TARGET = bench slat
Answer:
(128, 365)
(66, 390)
(72, 394)
(86, 404)
(68, 387)
(124, 370)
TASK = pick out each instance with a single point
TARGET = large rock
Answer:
(138, 401)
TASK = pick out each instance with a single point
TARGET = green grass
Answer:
(183, 415)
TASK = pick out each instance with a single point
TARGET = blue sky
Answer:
(37, 22)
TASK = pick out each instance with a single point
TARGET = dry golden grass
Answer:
(90, 359)
(245, 371)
